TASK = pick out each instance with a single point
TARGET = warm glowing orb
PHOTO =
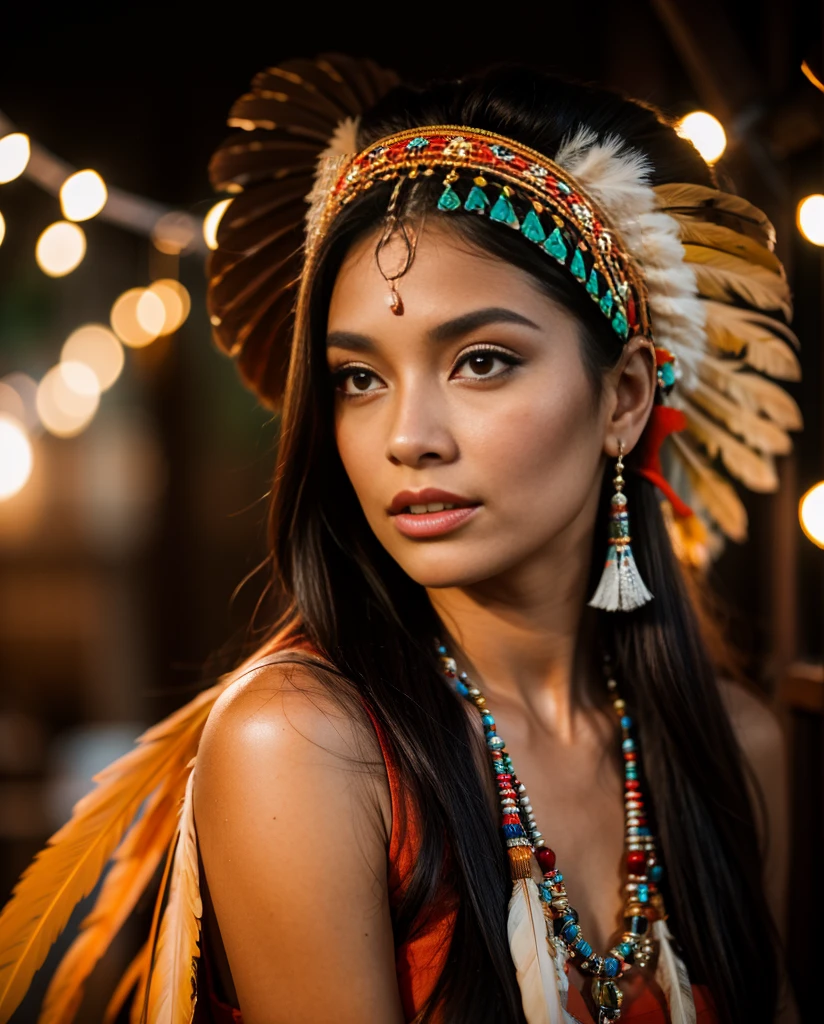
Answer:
(811, 514)
(60, 248)
(212, 220)
(2, 229)
(16, 457)
(98, 348)
(67, 398)
(136, 320)
(810, 219)
(705, 132)
(176, 303)
(83, 195)
(15, 150)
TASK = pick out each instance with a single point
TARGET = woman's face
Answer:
(478, 390)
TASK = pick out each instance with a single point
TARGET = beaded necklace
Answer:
(643, 901)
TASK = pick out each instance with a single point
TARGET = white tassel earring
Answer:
(621, 587)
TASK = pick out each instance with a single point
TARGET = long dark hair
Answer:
(375, 625)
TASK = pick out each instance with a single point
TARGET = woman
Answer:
(516, 296)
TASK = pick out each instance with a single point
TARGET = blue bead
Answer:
(642, 893)
(668, 374)
(570, 932)
(611, 967)
(656, 873)
(628, 745)
(626, 722)
(558, 877)
(488, 720)
(545, 893)
(583, 947)
(462, 689)
(441, 649)
(513, 831)
(624, 948)
(494, 742)
(643, 831)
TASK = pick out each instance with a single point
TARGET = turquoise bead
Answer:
(503, 213)
(667, 372)
(450, 200)
(624, 948)
(656, 873)
(619, 324)
(606, 303)
(477, 200)
(570, 932)
(611, 967)
(592, 283)
(642, 893)
(532, 228)
(577, 267)
(556, 246)
(583, 947)
(488, 720)
(494, 742)
(626, 722)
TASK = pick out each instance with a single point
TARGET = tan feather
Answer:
(716, 236)
(133, 867)
(720, 275)
(68, 868)
(753, 336)
(757, 431)
(716, 494)
(753, 469)
(710, 204)
(130, 977)
(172, 986)
(752, 392)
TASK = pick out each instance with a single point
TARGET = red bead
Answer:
(632, 784)
(510, 819)
(636, 861)
(504, 777)
(546, 858)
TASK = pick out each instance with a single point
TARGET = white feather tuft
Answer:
(535, 957)
(671, 975)
(343, 145)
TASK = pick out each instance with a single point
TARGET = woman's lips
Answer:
(433, 524)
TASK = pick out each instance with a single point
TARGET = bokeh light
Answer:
(83, 195)
(176, 303)
(15, 150)
(98, 348)
(60, 248)
(130, 327)
(811, 514)
(705, 132)
(16, 456)
(174, 232)
(212, 220)
(810, 218)
(2, 229)
(67, 398)
(18, 396)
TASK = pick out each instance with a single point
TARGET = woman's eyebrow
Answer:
(447, 331)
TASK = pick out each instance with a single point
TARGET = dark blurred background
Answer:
(122, 557)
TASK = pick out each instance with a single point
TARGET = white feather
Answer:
(534, 957)
(671, 975)
(342, 147)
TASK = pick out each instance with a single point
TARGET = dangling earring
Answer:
(621, 588)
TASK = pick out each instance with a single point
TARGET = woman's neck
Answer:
(528, 641)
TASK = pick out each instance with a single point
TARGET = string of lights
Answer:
(66, 398)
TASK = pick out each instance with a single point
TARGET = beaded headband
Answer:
(555, 214)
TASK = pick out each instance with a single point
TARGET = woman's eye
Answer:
(481, 363)
(353, 381)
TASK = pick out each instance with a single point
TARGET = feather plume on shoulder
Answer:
(172, 982)
(671, 975)
(535, 962)
(70, 865)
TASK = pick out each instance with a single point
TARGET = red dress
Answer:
(419, 962)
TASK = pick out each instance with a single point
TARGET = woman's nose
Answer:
(419, 426)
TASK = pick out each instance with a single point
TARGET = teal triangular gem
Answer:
(577, 266)
(502, 211)
(477, 199)
(606, 302)
(450, 200)
(619, 324)
(532, 228)
(592, 283)
(556, 246)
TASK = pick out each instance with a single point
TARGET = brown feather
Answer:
(754, 337)
(757, 432)
(710, 204)
(720, 275)
(716, 494)
(753, 469)
(753, 393)
(716, 236)
(172, 985)
(68, 868)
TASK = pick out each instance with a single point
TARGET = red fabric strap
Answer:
(663, 421)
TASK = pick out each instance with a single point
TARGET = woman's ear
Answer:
(629, 395)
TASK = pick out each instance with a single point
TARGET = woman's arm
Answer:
(293, 841)
(762, 743)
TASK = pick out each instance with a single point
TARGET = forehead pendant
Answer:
(395, 250)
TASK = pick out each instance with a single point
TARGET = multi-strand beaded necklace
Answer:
(643, 901)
